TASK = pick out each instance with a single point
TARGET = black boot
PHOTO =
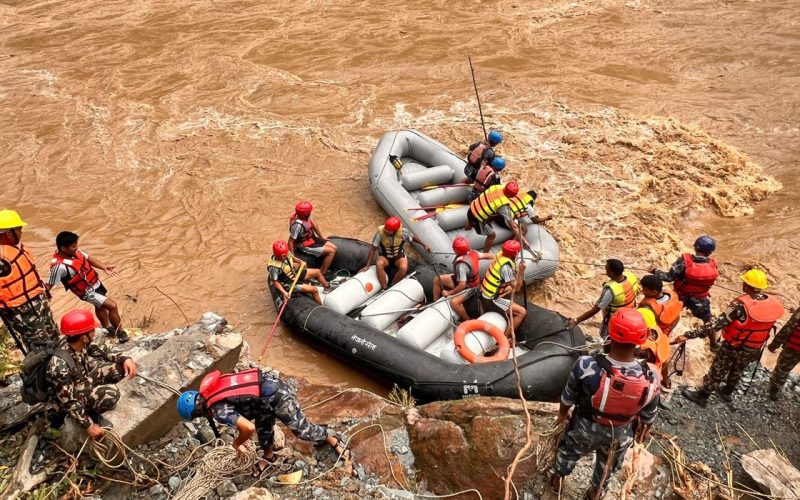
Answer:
(774, 393)
(726, 395)
(696, 396)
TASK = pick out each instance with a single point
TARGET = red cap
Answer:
(304, 208)
(461, 246)
(280, 249)
(511, 248)
(393, 224)
(511, 189)
(627, 326)
(77, 323)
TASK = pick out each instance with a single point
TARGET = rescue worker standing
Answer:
(83, 374)
(24, 305)
(466, 276)
(283, 269)
(486, 208)
(789, 339)
(503, 278)
(616, 401)
(389, 241)
(520, 209)
(693, 276)
(666, 306)
(305, 236)
(251, 401)
(746, 326)
(482, 152)
(619, 292)
(488, 175)
(76, 271)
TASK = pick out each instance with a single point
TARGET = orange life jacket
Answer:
(754, 331)
(793, 342)
(309, 228)
(476, 154)
(657, 344)
(698, 278)
(619, 398)
(668, 314)
(215, 387)
(486, 177)
(23, 283)
(472, 260)
(85, 275)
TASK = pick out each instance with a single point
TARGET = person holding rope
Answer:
(615, 399)
(283, 269)
(389, 241)
(24, 304)
(746, 326)
(619, 292)
(466, 276)
(693, 276)
(787, 338)
(486, 208)
(305, 236)
(251, 401)
(482, 153)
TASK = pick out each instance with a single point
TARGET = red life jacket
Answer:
(215, 387)
(698, 278)
(793, 342)
(476, 154)
(85, 275)
(309, 227)
(619, 399)
(761, 317)
(486, 177)
(472, 260)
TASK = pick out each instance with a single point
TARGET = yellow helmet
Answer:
(649, 317)
(755, 278)
(10, 219)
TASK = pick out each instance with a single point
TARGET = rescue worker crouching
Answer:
(486, 207)
(76, 271)
(389, 241)
(482, 153)
(283, 269)
(503, 278)
(466, 276)
(693, 276)
(518, 213)
(24, 305)
(305, 236)
(251, 401)
(619, 292)
(488, 175)
(787, 338)
(746, 326)
(82, 374)
(616, 401)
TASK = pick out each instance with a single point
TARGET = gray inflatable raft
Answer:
(428, 163)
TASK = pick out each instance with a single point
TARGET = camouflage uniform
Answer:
(89, 388)
(31, 324)
(700, 308)
(788, 358)
(278, 401)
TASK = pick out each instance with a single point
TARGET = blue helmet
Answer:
(705, 244)
(186, 404)
(495, 137)
(499, 163)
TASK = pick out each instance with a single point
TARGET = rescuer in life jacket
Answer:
(482, 153)
(488, 175)
(746, 326)
(24, 305)
(283, 269)
(306, 238)
(616, 401)
(656, 348)
(519, 213)
(693, 276)
(251, 401)
(789, 339)
(76, 270)
(466, 276)
(486, 208)
(503, 278)
(389, 241)
(666, 306)
(619, 292)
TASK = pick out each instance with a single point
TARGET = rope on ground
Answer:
(222, 462)
(159, 383)
(544, 453)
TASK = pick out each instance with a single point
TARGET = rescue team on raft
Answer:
(615, 393)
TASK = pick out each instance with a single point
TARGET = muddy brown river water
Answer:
(176, 136)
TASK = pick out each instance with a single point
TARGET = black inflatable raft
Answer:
(544, 363)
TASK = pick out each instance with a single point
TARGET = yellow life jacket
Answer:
(391, 244)
(485, 206)
(493, 280)
(285, 266)
(624, 293)
(519, 203)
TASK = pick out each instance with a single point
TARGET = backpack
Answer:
(35, 388)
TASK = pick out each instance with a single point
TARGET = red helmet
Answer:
(628, 326)
(280, 249)
(511, 248)
(393, 224)
(303, 208)
(461, 246)
(511, 189)
(77, 323)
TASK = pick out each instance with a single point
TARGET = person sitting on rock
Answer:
(82, 374)
(283, 269)
(612, 395)
(251, 401)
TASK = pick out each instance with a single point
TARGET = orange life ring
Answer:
(476, 324)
